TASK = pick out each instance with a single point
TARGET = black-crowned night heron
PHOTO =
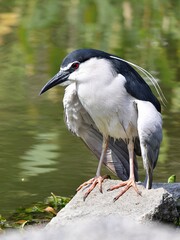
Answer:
(110, 106)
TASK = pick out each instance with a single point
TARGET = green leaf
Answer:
(172, 179)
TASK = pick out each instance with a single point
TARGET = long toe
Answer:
(91, 184)
(125, 185)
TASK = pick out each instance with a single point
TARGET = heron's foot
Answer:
(92, 184)
(125, 186)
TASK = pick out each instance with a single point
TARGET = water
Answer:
(37, 153)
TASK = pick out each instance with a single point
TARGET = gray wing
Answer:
(149, 125)
(116, 159)
(79, 122)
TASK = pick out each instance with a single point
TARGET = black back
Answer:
(135, 84)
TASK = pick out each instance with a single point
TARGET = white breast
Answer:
(72, 108)
(107, 102)
(77, 119)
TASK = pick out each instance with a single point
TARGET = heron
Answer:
(109, 105)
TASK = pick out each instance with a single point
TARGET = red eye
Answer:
(75, 65)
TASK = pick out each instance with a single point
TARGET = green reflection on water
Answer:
(40, 158)
(37, 153)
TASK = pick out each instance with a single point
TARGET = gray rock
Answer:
(100, 218)
(154, 204)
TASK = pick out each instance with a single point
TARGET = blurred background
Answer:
(37, 153)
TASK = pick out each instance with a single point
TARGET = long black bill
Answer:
(59, 78)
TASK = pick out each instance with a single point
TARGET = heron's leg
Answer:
(98, 179)
(103, 153)
(131, 181)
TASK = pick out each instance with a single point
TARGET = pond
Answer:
(37, 153)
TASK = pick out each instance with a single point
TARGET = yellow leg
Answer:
(131, 181)
(98, 179)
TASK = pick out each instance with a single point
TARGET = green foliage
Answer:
(172, 179)
(35, 35)
(38, 213)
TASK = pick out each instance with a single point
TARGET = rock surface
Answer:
(100, 218)
(154, 204)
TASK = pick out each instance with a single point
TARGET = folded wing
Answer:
(149, 125)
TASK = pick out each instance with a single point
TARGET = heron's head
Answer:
(80, 65)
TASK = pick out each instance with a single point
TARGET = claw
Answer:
(89, 182)
(85, 196)
(93, 182)
(126, 185)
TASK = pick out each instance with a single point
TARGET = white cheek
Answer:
(78, 75)
(73, 76)
(66, 83)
